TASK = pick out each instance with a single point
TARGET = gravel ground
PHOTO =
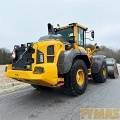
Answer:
(6, 82)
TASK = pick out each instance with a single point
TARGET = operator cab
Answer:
(73, 29)
(72, 33)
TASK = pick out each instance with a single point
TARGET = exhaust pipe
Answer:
(50, 29)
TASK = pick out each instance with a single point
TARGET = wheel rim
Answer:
(80, 77)
(104, 71)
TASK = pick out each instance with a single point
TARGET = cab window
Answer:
(65, 33)
(80, 36)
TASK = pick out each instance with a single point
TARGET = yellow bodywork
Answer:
(50, 75)
(48, 78)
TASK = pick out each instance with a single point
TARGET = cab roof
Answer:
(73, 24)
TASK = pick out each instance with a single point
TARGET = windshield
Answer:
(65, 33)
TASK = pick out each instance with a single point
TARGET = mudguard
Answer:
(98, 60)
(66, 59)
(112, 67)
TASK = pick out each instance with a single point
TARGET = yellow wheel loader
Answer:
(59, 59)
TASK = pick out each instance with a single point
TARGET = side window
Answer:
(80, 36)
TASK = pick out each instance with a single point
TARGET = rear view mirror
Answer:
(92, 34)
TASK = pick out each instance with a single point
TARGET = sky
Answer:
(23, 21)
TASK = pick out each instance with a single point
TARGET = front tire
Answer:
(76, 80)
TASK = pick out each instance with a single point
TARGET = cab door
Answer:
(80, 37)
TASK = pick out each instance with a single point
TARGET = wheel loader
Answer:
(59, 59)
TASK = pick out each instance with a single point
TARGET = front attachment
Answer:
(112, 68)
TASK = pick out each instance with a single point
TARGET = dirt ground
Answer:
(4, 81)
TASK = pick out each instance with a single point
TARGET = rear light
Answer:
(13, 54)
(38, 70)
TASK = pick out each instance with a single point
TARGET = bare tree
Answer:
(5, 56)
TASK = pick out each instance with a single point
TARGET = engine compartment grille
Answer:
(23, 58)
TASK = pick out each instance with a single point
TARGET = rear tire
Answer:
(76, 80)
(101, 76)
